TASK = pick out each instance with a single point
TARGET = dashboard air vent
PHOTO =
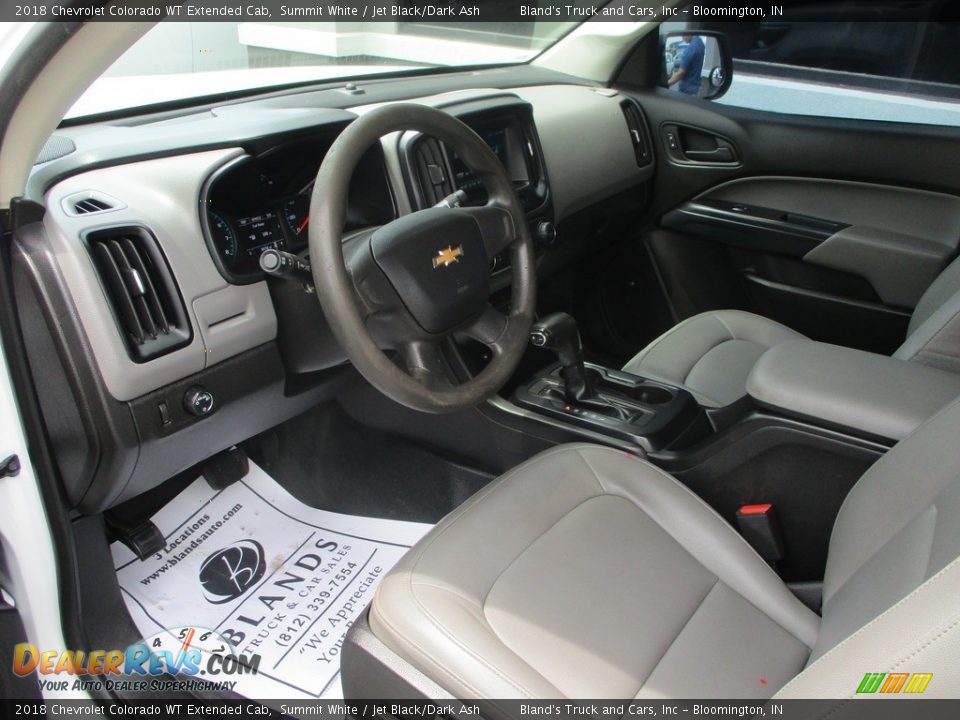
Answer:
(639, 134)
(432, 171)
(89, 205)
(89, 202)
(141, 290)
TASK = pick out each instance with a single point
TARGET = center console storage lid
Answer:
(870, 393)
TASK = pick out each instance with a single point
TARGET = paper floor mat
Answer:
(269, 574)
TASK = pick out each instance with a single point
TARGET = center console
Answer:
(818, 387)
(649, 414)
(863, 393)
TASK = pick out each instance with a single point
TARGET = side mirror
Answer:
(696, 63)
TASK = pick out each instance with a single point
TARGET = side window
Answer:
(852, 59)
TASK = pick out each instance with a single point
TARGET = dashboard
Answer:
(255, 203)
(155, 227)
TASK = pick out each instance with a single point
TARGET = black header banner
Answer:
(177, 707)
(438, 11)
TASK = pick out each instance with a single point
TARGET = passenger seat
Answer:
(712, 354)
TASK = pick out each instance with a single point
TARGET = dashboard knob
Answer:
(546, 232)
(198, 401)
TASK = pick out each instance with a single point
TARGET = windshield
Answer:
(180, 60)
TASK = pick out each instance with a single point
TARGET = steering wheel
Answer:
(411, 284)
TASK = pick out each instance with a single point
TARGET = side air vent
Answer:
(639, 134)
(141, 291)
(432, 171)
(91, 205)
(89, 202)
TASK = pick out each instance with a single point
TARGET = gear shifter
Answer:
(558, 332)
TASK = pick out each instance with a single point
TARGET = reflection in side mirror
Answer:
(717, 77)
(696, 63)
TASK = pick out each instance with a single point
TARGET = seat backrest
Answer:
(897, 531)
(933, 335)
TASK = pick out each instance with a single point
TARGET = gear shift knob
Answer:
(558, 332)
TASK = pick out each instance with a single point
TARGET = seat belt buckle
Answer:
(759, 527)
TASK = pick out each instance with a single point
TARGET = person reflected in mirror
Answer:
(687, 71)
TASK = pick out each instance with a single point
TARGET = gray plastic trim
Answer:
(586, 145)
(899, 267)
(162, 195)
(916, 213)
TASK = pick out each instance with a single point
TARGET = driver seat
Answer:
(587, 572)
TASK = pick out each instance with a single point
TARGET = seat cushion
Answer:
(711, 354)
(587, 572)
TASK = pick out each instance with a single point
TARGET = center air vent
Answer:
(432, 171)
(639, 134)
(141, 291)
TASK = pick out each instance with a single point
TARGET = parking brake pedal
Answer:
(225, 468)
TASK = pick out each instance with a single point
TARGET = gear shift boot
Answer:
(607, 401)
(558, 332)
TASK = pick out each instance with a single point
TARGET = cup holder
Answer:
(646, 394)
(651, 394)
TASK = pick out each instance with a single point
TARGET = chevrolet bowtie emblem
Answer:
(448, 256)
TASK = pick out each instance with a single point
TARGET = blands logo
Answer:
(893, 683)
(230, 572)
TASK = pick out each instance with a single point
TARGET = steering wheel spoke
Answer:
(496, 227)
(375, 297)
(490, 328)
(424, 361)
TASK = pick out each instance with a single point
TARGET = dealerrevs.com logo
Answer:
(199, 654)
(230, 572)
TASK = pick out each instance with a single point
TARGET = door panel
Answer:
(898, 266)
(898, 239)
(833, 227)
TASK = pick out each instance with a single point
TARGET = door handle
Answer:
(694, 146)
(718, 154)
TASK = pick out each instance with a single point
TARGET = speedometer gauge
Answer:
(296, 215)
(224, 239)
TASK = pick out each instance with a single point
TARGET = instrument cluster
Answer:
(263, 201)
